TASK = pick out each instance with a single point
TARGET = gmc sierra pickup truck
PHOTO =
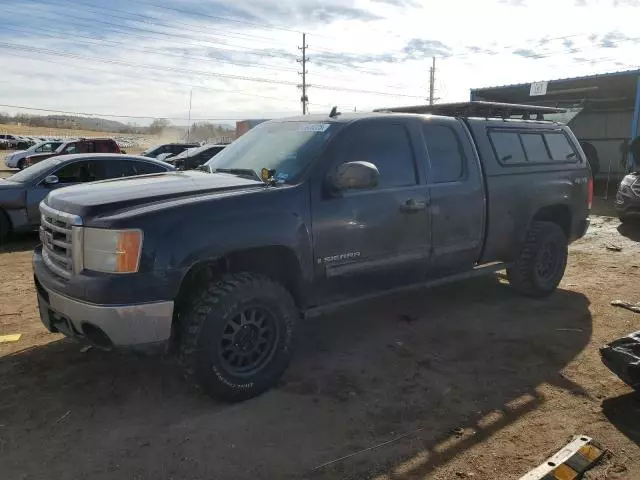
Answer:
(306, 214)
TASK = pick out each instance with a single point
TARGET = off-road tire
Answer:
(21, 164)
(542, 261)
(5, 227)
(206, 320)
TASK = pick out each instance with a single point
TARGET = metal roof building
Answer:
(604, 109)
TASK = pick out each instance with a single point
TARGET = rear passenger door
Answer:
(457, 195)
(378, 232)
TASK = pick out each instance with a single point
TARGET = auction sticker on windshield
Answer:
(314, 127)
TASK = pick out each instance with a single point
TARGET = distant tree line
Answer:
(199, 131)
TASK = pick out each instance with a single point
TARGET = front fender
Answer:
(191, 242)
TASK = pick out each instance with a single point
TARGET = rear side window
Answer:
(119, 168)
(560, 148)
(508, 147)
(535, 147)
(387, 147)
(143, 168)
(445, 153)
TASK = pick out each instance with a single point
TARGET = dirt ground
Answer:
(463, 381)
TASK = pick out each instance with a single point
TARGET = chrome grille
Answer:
(635, 187)
(57, 237)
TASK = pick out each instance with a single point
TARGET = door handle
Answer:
(412, 205)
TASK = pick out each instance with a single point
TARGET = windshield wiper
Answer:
(241, 172)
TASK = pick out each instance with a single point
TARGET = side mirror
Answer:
(51, 180)
(355, 175)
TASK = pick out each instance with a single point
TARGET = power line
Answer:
(225, 19)
(193, 72)
(230, 34)
(232, 62)
(157, 22)
(119, 73)
(138, 117)
(157, 80)
(101, 42)
(128, 32)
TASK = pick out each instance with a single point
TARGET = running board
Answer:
(475, 272)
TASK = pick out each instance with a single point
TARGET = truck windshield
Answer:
(286, 147)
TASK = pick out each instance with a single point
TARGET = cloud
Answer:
(418, 48)
(526, 53)
(612, 39)
(481, 51)
(399, 3)
(301, 12)
(514, 3)
(415, 49)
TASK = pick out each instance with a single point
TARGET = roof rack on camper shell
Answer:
(479, 109)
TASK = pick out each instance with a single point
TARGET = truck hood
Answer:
(110, 196)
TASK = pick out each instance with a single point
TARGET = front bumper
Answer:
(627, 204)
(105, 326)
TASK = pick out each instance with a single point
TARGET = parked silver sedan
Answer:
(21, 193)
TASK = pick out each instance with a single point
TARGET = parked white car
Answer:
(16, 159)
(12, 140)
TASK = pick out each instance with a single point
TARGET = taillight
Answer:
(590, 192)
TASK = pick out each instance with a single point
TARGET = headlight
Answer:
(112, 251)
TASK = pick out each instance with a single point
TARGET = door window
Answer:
(81, 172)
(445, 153)
(387, 146)
(77, 147)
(119, 168)
(144, 168)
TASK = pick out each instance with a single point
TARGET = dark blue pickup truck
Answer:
(302, 215)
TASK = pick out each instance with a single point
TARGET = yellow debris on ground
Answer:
(10, 338)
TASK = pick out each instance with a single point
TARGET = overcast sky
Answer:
(142, 58)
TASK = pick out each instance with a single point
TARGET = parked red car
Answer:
(81, 145)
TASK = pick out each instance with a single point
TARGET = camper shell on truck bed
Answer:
(302, 215)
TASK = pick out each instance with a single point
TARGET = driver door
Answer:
(365, 239)
(69, 174)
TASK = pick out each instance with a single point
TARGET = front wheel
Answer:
(236, 337)
(21, 164)
(542, 261)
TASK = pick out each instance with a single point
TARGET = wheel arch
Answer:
(277, 262)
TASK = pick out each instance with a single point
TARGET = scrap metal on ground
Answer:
(622, 357)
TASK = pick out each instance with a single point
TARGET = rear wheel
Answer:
(542, 261)
(236, 337)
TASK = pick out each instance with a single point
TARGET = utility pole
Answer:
(304, 99)
(189, 116)
(432, 80)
